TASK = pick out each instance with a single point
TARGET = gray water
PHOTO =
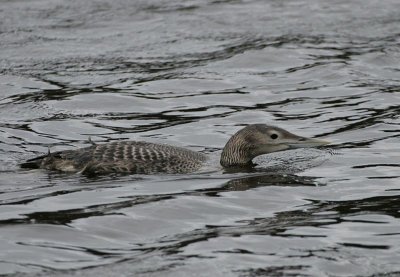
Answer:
(191, 73)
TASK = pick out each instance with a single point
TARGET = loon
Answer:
(139, 157)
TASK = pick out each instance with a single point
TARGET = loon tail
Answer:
(34, 163)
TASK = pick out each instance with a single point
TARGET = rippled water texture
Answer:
(191, 73)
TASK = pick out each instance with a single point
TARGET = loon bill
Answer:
(138, 157)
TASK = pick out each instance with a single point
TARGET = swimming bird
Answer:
(139, 157)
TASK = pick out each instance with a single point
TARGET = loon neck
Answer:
(236, 153)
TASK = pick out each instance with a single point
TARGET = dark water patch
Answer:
(275, 271)
(376, 165)
(67, 216)
(383, 247)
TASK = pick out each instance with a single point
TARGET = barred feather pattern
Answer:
(131, 157)
(237, 150)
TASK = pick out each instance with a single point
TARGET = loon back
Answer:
(133, 157)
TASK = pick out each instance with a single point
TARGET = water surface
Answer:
(191, 73)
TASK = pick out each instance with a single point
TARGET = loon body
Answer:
(138, 157)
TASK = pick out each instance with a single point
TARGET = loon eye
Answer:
(274, 136)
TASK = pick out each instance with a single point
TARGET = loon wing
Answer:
(121, 157)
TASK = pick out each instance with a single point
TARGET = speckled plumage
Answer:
(138, 157)
(133, 157)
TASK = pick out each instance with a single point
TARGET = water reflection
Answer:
(261, 180)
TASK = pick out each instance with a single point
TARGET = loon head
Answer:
(258, 139)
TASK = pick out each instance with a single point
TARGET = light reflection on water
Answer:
(190, 74)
